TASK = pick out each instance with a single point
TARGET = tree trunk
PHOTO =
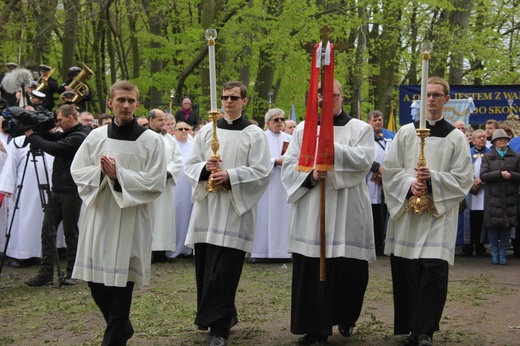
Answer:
(134, 43)
(459, 21)
(155, 23)
(388, 48)
(69, 35)
(99, 54)
(117, 40)
(44, 13)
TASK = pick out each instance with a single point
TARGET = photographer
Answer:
(65, 203)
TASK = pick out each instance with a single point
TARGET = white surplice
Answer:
(274, 213)
(425, 235)
(3, 208)
(25, 241)
(374, 190)
(227, 218)
(348, 213)
(163, 208)
(183, 204)
(115, 235)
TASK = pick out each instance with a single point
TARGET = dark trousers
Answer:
(420, 289)
(379, 217)
(317, 305)
(63, 206)
(114, 303)
(476, 241)
(217, 271)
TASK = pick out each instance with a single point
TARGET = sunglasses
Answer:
(277, 119)
(182, 129)
(233, 98)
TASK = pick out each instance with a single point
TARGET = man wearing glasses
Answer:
(317, 305)
(422, 245)
(272, 226)
(183, 204)
(222, 223)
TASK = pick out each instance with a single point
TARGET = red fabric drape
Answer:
(323, 159)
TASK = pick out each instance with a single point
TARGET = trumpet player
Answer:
(74, 71)
(47, 85)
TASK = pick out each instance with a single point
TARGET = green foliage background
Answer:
(160, 45)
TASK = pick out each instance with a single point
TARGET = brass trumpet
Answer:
(44, 81)
(80, 88)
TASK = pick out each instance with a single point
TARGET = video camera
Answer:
(17, 120)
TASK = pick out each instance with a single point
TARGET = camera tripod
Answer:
(44, 194)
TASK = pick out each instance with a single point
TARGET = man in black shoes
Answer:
(222, 222)
(119, 170)
(64, 201)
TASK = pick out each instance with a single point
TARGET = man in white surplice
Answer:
(183, 204)
(119, 170)
(223, 222)
(272, 223)
(163, 208)
(317, 306)
(422, 245)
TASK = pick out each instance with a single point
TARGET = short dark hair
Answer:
(67, 110)
(494, 122)
(123, 85)
(236, 84)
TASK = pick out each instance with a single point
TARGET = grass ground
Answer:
(482, 308)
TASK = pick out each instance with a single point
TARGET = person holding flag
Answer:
(333, 293)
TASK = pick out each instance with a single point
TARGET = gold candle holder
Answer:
(423, 202)
(214, 116)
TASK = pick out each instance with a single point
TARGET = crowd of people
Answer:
(126, 191)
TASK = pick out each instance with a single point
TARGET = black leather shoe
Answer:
(129, 330)
(16, 263)
(345, 330)
(38, 280)
(425, 340)
(311, 339)
(217, 341)
(411, 341)
(70, 281)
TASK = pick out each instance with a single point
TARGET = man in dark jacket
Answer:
(64, 200)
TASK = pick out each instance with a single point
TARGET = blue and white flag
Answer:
(453, 110)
